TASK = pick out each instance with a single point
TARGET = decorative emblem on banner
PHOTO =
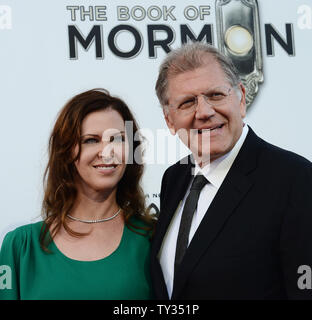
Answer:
(238, 33)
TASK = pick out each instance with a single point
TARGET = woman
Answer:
(94, 240)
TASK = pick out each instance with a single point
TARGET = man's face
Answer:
(209, 131)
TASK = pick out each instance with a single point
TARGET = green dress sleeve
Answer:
(10, 264)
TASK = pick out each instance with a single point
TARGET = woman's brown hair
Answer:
(60, 191)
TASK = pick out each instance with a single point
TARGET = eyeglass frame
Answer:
(204, 95)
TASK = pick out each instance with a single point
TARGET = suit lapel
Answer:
(171, 202)
(232, 191)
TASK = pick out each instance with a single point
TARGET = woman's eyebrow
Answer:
(96, 135)
(90, 134)
(117, 133)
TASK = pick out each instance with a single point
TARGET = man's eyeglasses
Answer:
(215, 97)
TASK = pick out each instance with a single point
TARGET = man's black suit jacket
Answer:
(255, 234)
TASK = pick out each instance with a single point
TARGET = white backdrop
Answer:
(37, 77)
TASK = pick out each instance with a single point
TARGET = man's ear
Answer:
(169, 120)
(242, 104)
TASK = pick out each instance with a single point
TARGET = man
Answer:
(235, 218)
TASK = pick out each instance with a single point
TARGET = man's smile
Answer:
(210, 128)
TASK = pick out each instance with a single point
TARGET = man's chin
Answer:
(201, 158)
(205, 157)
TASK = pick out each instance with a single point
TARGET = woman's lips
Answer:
(105, 168)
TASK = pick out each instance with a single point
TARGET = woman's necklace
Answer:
(95, 221)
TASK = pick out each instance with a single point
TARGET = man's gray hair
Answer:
(189, 57)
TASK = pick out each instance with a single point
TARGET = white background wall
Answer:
(37, 78)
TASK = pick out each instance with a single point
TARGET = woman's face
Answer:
(104, 152)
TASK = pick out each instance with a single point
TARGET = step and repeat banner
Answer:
(52, 50)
